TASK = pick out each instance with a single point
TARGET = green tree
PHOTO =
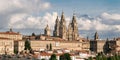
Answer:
(117, 57)
(109, 58)
(97, 57)
(53, 57)
(90, 58)
(27, 45)
(15, 51)
(62, 57)
(65, 56)
(42, 59)
(113, 58)
(104, 57)
(101, 56)
(50, 47)
(47, 47)
(33, 34)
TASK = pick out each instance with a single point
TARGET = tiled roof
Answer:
(11, 33)
(45, 54)
(82, 51)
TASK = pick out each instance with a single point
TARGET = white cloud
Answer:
(46, 5)
(88, 24)
(84, 24)
(28, 21)
(105, 22)
(23, 5)
(50, 19)
(15, 10)
(108, 16)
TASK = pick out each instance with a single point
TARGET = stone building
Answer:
(6, 46)
(19, 45)
(7, 41)
(85, 45)
(96, 36)
(47, 30)
(118, 45)
(97, 45)
(106, 46)
(11, 35)
(56, 44)
(56, 31)
(73, 30)
(60, 29)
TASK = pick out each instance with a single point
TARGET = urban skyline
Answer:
(59, 30)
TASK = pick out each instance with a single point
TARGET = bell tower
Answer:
(62, 28)
(75, 34)
(56, 28)
(96, 36)
(47, 31)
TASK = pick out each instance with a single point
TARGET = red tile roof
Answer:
(11, 33)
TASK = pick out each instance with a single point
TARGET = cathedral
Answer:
(61, 30)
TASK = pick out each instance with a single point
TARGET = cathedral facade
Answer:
(61, 30)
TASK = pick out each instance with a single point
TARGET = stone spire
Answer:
(96, 36)
(62, 17)
(56, 28)
(69, 32)
(74, 18)
(47, 30)
(74, 27)
(74, 23)
(47, 27)
(62, 28)
(57, 20)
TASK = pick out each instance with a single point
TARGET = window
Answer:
(57, 43)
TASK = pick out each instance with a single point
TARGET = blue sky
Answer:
(92, 7)
(27, 16)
